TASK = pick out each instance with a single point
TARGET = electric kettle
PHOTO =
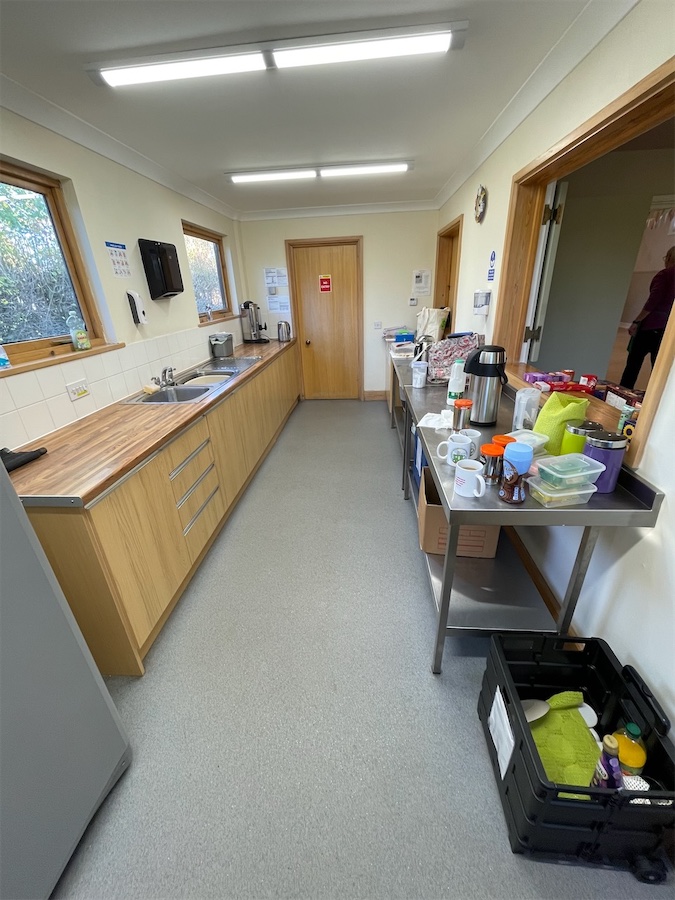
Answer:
(485, 366)
(283, 331)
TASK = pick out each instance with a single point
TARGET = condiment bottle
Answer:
(609, 449)
(576, 432)
(517, 461)
(632, 750)
(608, 769)
(78, 331)
(493, 457)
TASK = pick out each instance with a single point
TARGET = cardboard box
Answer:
(474, 540)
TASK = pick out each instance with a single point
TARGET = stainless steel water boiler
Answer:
(485, 366)
(251, 324)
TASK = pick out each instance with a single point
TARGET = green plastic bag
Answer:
(554, 415)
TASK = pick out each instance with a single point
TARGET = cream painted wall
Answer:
(112, 203)
(393, 246)
(628, 597)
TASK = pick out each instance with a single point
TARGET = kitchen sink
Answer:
(177, 393)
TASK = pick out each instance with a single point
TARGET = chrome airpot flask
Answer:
(485, 367)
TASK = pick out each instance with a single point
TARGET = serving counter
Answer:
(508, 593)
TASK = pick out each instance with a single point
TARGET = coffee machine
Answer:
(251, 324)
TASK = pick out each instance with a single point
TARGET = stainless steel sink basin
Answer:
(232, 365)
(178, 393)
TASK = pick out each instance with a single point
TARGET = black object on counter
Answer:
(13, 459)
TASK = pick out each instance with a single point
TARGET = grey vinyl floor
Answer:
(289, 737)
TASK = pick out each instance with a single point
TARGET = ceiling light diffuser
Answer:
(186, 68)
(355, 50)
(287, 175)
(378, 169)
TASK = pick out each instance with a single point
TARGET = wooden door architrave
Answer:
(448, 250)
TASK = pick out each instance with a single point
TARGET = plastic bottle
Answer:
(608, 769)
(517, 461)
(526, 408)
(4, 359)
(78, 331)
(456, 382)
(632, 750)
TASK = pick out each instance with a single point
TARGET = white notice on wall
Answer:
(119, 259)
(421, 283)
(276, 277)
(500, 729)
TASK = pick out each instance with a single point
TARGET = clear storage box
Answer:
(533, 438)
(569, 470)
(551, 497)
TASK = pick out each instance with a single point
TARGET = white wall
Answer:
(628, 598)
(108, 202)
(656, 241)
(394, 245)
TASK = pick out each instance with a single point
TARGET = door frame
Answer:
(448, 252)
(647, 104)
(298, 243)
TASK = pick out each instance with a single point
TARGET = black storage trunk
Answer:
(606, 828)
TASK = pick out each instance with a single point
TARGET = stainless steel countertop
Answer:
(633, 502)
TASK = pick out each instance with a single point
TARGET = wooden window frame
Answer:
(25, 355)
(206, 234)
(647, 104)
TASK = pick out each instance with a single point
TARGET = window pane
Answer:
(36, 293)
(206, 271)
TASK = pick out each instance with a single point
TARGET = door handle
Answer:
(308, 343)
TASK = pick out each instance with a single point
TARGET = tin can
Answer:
(492, 456)
(569, 372)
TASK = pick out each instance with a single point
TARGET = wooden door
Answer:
(448, 250)
(325, 278)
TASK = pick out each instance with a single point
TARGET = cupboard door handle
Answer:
(308, 343)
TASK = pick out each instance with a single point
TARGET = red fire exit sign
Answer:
(325, 284)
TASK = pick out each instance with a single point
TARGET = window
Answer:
(42, 277)
(206, 257)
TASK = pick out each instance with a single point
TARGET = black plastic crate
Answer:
(605, 828)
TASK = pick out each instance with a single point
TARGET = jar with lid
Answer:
(502, 439)
(608, 448)
(517, 461)
(492, 456)
(576, 432)
(461, 412)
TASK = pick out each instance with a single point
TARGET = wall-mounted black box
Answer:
(617, 828)
(160, 262)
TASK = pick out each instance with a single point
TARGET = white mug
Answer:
(474, 436)
(469, 481)
(457, 447)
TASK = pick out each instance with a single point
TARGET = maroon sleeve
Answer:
(660, 291)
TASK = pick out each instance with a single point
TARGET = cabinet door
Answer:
(142, 540)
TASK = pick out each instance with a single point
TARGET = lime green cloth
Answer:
(566, 746)
(554, 415)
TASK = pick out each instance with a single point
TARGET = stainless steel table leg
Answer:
(407, 421)
(446, 591)
(576, 581)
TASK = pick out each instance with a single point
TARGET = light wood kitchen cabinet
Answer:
(124, 559)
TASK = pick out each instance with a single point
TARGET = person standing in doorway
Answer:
(648, 326)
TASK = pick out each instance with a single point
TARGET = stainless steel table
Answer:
(634, 502)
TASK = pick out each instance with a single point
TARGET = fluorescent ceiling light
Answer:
(379, 169)
(356, 49)
(287, 175)
(186, 68)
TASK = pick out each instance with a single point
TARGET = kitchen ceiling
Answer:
(444, 113)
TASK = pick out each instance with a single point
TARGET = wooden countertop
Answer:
(598, 410)
(88, 456)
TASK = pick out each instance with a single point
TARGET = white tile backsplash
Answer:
(12, 430)
(7, 404)
(51, 381)
(34, 403)
(62, 410)
(25, 389)
(37, 420)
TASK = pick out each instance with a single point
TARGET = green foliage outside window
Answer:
(205, 268)
(36, 292)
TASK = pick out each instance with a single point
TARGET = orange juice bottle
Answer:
(632, 750)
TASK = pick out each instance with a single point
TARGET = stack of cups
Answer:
(419, 373)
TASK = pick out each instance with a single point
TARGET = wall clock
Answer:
(481, 203)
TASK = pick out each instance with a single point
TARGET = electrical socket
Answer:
(377, 325)
(78, 389)
(412, 301)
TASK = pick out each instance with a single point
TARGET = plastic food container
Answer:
(551, 497)
(533, 438)
(570, 470)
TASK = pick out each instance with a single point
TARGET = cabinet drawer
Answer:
(188, 472)
(197, 494)
(204, 522)
(181, 447)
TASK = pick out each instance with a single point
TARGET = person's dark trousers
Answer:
(643, 343)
